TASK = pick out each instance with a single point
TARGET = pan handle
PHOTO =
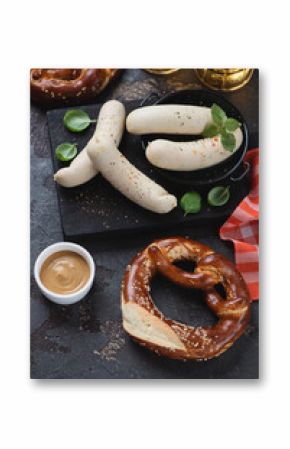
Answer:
(245, 172)
(148, 99)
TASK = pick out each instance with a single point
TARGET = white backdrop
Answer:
(139, 414)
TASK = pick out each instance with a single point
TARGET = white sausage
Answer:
(111, 122)
(187, 156)
(169, 119)
(126, 178)
(80, 170)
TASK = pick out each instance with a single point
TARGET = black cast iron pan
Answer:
(231, 168)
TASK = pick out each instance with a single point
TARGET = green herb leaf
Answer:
(66, 151)
(218, 196)
(76, 120)
(218, 115)
(191, 203)
(228, 141)
(211, 130)
(231, 124)
(223, 132)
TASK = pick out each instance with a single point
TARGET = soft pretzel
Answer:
(149, 327)
(68, 86)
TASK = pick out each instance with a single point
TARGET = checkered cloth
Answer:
(242, 228)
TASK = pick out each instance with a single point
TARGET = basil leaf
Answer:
(218, 196)
(228, 141)
(191, 203)
(66, 151)
(223, 132)
(76, 120)
(218, 115)
(211, 130)
(231, 124)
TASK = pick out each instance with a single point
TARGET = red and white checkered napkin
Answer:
(242, 228)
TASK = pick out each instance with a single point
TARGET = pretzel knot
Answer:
(149, 327)
(59, 86)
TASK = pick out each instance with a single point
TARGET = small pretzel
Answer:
(149, 327)
(64, 86)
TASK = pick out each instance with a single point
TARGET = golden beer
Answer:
(224, 79)
(161, 71)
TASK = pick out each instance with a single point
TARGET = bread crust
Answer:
(150, 328)
(54, 87)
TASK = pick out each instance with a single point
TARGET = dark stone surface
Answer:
(86, 340)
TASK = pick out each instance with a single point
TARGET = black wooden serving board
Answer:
(97, 209)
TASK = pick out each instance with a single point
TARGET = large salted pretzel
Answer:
(68, 86)
(148, 326)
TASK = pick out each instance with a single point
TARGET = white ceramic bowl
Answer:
(57, 297)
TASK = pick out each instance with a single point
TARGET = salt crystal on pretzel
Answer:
(149, 327)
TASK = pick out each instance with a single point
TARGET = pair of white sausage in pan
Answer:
(178, 119)
(102, 155)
